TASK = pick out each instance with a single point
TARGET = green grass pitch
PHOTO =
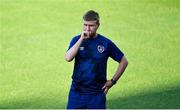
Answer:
(35, 34)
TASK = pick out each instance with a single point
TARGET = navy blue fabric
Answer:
(78, 100)
(89, 75)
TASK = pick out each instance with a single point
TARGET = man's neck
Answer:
(94, 36)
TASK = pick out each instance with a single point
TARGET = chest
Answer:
(93, 50)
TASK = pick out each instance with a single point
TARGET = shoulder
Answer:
(101, 37)
(105, 39)
(75, 38)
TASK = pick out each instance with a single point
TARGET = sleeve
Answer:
(115, 53)
(73, 41)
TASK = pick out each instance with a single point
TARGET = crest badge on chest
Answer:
(100, 48)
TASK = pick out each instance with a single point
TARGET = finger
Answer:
(85, 34)
(104, 87)
(106, 90)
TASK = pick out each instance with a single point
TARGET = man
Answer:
(91, 51)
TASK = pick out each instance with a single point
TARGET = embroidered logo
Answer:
(100, 48)
(81, 48)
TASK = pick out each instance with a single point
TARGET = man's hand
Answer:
(84, 35)
(107, 86)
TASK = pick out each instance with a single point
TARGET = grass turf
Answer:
(34, 36)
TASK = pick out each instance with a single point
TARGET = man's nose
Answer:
(88, 28)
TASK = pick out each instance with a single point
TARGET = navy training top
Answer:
(89, 75)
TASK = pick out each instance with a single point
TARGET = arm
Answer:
(120, 70)
(71, 53)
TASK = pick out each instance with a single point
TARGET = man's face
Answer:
(90, 27)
